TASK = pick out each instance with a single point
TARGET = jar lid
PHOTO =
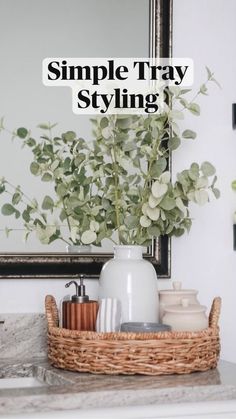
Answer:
(177, 289)
(185, 307)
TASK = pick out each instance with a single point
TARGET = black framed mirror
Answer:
(57, 264)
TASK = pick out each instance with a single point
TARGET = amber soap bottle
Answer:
(79, 313)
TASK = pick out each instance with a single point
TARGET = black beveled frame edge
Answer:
(64, 265)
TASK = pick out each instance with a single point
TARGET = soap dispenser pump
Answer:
(79, 313)
(80, 296)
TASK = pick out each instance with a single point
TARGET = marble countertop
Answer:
(64, 390)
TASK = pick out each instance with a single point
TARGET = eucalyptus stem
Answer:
(67, 216)
(196, 95)
(148, 178)
(20, 191)
(65, 241)
(116, 180)
(24, 202)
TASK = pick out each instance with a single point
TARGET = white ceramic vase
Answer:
(132, 280)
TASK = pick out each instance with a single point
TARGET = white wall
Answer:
(204, 259)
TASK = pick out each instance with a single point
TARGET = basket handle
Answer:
(51, 311)
(215, 313)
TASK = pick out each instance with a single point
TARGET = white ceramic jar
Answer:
(186, 317)
(175, 295)
(132, 280)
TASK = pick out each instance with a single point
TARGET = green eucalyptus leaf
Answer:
(131, 221)
(45, 233)
(163, 215)
(34, 168)
(202, 182)
(66, 164)
(17, 213)
(1, 123)
(174, 143)
(48, 203)
(183, 178)
(61, 190)
(169, 229)
(63, 215)
(95, 210)
(175, 90)
(188, 133)
(44, 126)
(88, 237)
(123, 123)
(26, 216)
(55, 165)
(184, 91)
(30, 142)
(153, 202)
(153, 213)
(145, 221)
(167, 203)
(201, 197)
(216, 82)
(180, 205)
(175, 114)
(94, 226)
(106, 203)
(191, 196)
(208, 169)
(194, 108)
(154, 231)
(194, 171)
(8, 209)
(79, 159)
(102, 235)
(175, 128)
(203, 89)
(184, 103)
(129, 146)
(16, 198)
(47, 177)
(209, 73)
(233, 185)
(158, 167)
(22, 132)
(107, 132)
(165, 177)
(178, 232)
(2, 188)
(216, 192)
(69, 136)
(104, 122)
(159, 189)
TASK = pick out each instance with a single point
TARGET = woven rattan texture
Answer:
(133, 353)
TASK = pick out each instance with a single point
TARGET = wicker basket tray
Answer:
(132, 353)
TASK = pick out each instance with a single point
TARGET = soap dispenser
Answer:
(79, 313)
